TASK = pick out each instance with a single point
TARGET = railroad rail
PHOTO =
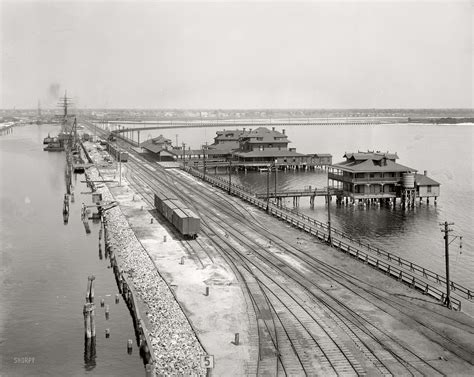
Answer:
(309, 327)
(296, 318)
(320, 230)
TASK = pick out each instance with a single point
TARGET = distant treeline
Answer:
(441, 120)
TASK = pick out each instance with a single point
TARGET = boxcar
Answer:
(183, 219)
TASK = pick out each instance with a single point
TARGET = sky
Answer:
(154, 54)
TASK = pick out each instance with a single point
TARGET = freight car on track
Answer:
(183, 219)
(116, 153)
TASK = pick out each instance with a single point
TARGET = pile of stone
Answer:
(175, 346)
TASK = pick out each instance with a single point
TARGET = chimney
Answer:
(425, 172)
(283, 132)
(273, 128)
(244, 129)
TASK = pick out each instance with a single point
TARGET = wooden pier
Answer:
(297, 194)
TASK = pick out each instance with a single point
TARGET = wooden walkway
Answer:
(411, 274)
(299, 193)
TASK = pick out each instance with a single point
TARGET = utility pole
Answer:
(274, 164)
(268, 187)
(204, 162)
(184, 156)
(120, 165)
(329, 215)
(329, 219)
(230, 174)
(446, 231)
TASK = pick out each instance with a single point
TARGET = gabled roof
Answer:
(323, 155)
(157, 141)
(370, 156)
(159, 149)
(423, 180)
(228, 135)
(268, 136)
(230, 145)
(372, 166)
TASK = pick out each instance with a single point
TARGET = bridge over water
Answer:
(130, 125)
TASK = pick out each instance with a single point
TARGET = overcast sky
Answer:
(349, 54)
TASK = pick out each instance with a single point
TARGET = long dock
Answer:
(393, 266)
(297, 194)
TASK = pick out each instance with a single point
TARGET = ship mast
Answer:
(64, 103)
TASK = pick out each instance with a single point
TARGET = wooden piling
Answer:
(236, 339)
(149, 370)
(89, 320)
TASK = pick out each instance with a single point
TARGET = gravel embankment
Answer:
(175, 346)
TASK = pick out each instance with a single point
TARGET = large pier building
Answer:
(371, 176)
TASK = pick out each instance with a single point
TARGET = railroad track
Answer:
(291, 332)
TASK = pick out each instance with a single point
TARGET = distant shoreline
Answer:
(447, 120)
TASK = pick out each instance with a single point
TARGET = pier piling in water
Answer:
(89, 309)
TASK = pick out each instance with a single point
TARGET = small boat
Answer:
(54, 146)
(48, 139)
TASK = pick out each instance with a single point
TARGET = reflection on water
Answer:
(89, 353)
(44, 268)
(445, 151)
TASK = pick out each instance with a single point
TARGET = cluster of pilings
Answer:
(406, 201)
(6, 130)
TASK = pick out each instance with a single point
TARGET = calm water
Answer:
(44, 269)
(446, 152)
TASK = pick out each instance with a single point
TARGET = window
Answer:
(428, 189)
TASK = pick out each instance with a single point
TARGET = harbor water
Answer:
(44, 269)
(445, 151)
(45, 264)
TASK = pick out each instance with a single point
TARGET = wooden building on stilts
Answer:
(376, 178)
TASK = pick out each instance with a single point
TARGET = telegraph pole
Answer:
(230, 174)
(268, 186)
(204, 162)
(446, 232)
(329, 216)
(184, 156)
(275, 179)
(329, 219)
